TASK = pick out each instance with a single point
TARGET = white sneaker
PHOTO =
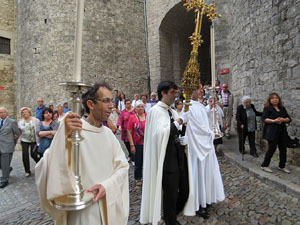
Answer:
(266, 169)
(285, 170)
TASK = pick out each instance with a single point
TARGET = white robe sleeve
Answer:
(200, 137)
(116, 188)
(56, 181)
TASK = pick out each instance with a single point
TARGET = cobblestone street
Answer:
(248, 200)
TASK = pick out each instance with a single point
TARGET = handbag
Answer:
(35, 154)
(139, 131)
(292, 142)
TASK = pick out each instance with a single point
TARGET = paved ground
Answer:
(249, 200)
(289, 183)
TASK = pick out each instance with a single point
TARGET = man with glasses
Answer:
(104, 168)
(227, 101)
(39, 109)
(165, 174)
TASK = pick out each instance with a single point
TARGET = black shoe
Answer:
(177, 223)
(3, 184)
(203, 212)
(254, 155)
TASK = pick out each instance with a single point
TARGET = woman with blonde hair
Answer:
(275, 117)
(135, 131)
(28, 125)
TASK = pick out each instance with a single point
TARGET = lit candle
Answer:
(212, 48)
(78, 40)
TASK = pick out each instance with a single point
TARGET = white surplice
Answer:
(102, 161)
(157, 132)
(208, 185)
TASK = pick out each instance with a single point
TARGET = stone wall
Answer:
(156, 11)
(113, 47)
(7, 61)
(262, 50)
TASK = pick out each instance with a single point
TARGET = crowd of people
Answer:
(155, 133)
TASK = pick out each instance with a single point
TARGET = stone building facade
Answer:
(263, 46)
(7, 56)
(258, 41)
(113, 47)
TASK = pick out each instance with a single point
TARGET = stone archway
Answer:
(175, 47)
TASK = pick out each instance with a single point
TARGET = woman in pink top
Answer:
(136, 128)
(122, 126)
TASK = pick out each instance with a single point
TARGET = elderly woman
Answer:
(275, 117)
(28, 126)
(61, 113)
(136, 98)
(46, 130)
(135, 132)
(246, 125)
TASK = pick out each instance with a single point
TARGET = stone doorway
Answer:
(175, 46)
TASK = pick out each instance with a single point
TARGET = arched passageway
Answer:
(175, 46)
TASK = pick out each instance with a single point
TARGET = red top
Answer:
(138, 129)
(123, 121)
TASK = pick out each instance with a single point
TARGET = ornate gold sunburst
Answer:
(191, 76)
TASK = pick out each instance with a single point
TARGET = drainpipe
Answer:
(147, 47)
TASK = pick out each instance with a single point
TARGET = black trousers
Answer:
(138, 162)
(130, 155)
(25, 154)
(175, 193)
(281, 142)
(251, 138)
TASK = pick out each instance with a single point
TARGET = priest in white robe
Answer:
(208, 185)
(103, 166)
(167, 176)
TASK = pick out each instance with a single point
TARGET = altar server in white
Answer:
(208, 185)
(167, 172)
(103, 165)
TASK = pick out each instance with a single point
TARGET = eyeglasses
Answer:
(106, 100)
